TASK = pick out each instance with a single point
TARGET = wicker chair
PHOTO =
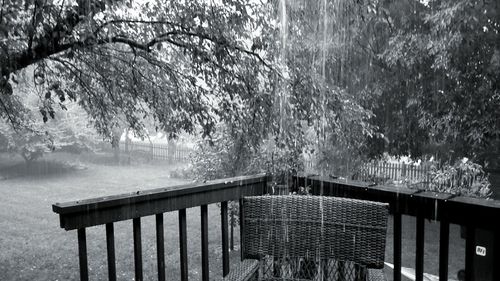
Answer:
(294, 237)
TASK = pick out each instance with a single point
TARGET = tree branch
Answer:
(1, 12)
(50, 43)
(130, 21)
(6, 110)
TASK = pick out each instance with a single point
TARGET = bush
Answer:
(230, 155)
(282, 162)
(182, 173)
(221, 157)
(462, 178)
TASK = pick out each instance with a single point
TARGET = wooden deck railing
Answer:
(108, 210)
(472, 213)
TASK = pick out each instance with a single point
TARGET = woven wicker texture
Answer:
(309, 269)
(312, 227)
(300, 269)
(245, 271)
(376, 275)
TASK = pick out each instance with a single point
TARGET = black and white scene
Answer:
(308, 140)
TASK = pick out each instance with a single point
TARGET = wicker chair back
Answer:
(315, 227)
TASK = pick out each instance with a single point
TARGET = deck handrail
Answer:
(431, 205)
(472, 213)
(110, 209)
(102, 210)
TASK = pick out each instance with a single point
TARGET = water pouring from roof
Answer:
(282, 64)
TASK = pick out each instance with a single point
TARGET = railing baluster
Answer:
(160, 247)
(204, 243)
(183, 244)
(419, 259)
(137, 249)
(397, 246)
(79, 215)
(110, 246)
(231, 223)
(225, 238)
(470, 234)
(242, 229)
(82, 255)
(444, 237)
(496, 269)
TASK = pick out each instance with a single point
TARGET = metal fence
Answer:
(157, 151)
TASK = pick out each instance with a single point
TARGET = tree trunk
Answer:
(127, 146)
(115, 144)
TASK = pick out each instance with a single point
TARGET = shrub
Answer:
(462, 178)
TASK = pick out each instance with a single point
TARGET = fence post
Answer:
(151, 150)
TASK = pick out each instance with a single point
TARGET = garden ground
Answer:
(34, 247)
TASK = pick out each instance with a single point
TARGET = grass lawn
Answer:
(34, 247)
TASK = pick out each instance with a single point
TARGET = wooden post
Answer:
(231, 241)
(470, 237)
(419, 259)
(183, 244)
(397, 245)
(444, 237)
(110, 243)
(242, 229)
(225, 248)
(82, 255)
(160, 247)
(137, 249)
(204, 243)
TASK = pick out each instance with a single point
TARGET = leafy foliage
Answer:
(438, 77)
(462, 178)
(31, 145)
(168, 59)
(221, 158)
(308, 106)
(231, 155)
(344, 79)
(69, 132)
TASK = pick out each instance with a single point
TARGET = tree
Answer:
(166, 56)
(408, 75)
(309, 105)
(70, 131)
(29, 144)
(328, 78)
(438, 77)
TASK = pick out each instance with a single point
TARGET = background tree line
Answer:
(262, 82)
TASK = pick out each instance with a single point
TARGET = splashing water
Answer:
(324, 47)
(323, 77)
(322, 136)
(282, 66)
(282, 61)
(283, 28)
